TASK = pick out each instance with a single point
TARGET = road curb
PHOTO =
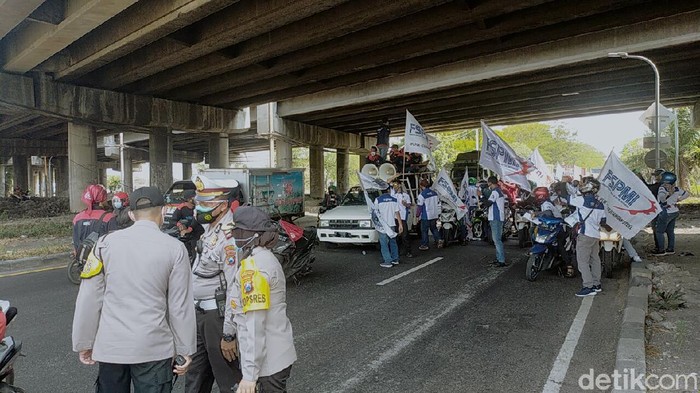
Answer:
(31, 263)
(631, 352)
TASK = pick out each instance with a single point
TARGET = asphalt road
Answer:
(456, 325)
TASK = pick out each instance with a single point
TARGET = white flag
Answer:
(558, 171)
(418, 141)
(444, 187)
(464, 183)
(497, 156)
(629, 203)
(370, 183)
(540, 174)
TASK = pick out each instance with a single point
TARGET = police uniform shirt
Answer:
(218, 256)
(590, 213)
(387, 206)
(136, 306)
(430, 204)
(265, 337)
(497, 209)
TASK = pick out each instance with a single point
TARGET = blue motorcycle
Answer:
(544, 253)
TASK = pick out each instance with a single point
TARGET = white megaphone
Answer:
(370, 170)
(387, 171)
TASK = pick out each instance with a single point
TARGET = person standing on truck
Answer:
(212, 276)
(388, 209)
(383, 134)
(373, 157)
(428, 211)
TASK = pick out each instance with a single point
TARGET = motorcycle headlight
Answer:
(324, 223)
(365, 224)
(541, 238)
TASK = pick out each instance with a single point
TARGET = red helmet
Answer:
(124, 197)
(541, 194)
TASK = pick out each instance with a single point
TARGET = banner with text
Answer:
(416, 140)
(629, 203)
(540, 174)
(444, 187)
(370, 183)
(499, 157)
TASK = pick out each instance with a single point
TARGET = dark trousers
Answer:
(149, 377)
(405, 245)
(426, 225)
(275, 383)
(208, 363)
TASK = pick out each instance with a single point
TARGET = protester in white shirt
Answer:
(388, 209)
(496, 205)
(428, 211)
(404, 201)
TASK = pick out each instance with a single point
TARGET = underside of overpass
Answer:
(200, 69)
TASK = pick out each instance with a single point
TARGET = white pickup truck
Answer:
(350, 222)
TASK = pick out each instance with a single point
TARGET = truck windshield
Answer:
(356, 197)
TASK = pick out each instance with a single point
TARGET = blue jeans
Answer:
(389, 247)
(426, 225)
(496, 235)
(666, 224)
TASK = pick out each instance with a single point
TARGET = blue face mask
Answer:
(117, 203)
(203, 214)
(203, 209)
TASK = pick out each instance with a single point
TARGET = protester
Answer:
(389, 210)
(134, 310)
(398, 159)
(120, 204)
(95, 218)
(469, 194)
(404, 201)
(373, 157)
(428, 211)
(183, 217)
(591, 216)
(668, 196)
(256, 306)
(496, 205)
(383, 134)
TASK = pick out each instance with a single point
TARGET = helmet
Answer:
(658, 171)
(668, 178)
(121, 196)
(590, 187)
(541, 194)
(472, 181)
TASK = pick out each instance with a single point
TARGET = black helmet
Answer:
(668, 178)
(590, 187)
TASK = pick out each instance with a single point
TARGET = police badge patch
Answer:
(230, 254)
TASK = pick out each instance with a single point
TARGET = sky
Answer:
(606, 132)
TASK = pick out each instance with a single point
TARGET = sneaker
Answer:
(386, 265)
(658, 253)
(423, 248)
(409, 255)
(597, 288)
(637, 259)
(585, 291)
(394, 262)
(670, 252)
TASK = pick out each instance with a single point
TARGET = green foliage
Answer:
(667, 300)
(114, 183)
(633, 156)
(451, 144)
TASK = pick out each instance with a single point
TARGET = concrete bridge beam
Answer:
(14, 12)
(342, 170)
(283, 154)
(316, 174)
(695, 115)
(82, 162)
(161, 158)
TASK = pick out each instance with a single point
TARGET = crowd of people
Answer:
(147, 313)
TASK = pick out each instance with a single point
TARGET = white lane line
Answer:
(561, 363)
(407, 272)
(412, 332)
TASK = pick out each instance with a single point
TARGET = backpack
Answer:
(89, 242)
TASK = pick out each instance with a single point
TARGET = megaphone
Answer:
(370, 170)
(387, 171)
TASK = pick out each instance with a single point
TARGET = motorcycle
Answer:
(480, 224)
(523, 226)
(10, 350)
(544, 253)
(610, 251)
(448, 225)
(295, 249)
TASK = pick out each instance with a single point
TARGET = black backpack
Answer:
(89, 242)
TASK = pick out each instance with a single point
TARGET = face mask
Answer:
(204, 214)
(117, 204)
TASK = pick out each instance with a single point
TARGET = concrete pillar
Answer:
(283, 154)
(342, 159)
(695, 116)
(3, 179)
(128, 171)
(161, 158)
(186, 171)
(218, 151)
(103, 177)
(82, 162)
(316, 172)
(61, 166)
(20, 169)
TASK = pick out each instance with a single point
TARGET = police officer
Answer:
(134, 322)
(212, 274)
(257, 308)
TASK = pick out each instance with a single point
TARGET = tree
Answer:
(689, 148)
(633, 156)
(114, 183)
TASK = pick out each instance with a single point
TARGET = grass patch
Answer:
(35, 252)
(38, 227)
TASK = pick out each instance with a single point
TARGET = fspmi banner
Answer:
(499, 157)
(629, 203)
(444, 187)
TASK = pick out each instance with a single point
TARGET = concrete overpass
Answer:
(197, 76)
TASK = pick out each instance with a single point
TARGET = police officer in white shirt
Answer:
(428, 211)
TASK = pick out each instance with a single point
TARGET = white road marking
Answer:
(407, 272)
(412, 332)
(561, 363)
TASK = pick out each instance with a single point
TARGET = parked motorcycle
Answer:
(295, 249)
(544, 253)
(448, 225)
(610, 251)
(10, 349)
(480, 224)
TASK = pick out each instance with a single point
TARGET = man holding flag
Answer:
(383, 219)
